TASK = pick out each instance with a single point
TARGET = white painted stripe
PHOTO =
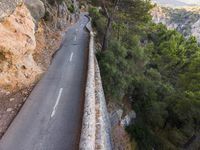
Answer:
(57, 101)
(71, 56)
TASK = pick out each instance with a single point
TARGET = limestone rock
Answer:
(115, 117)
(7, 7)
(36, 7)
(12, 99)
(196, 30)
(9, 109)
(128, 119)
(62, 13)
(17, 44)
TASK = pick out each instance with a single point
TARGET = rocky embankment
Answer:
(184, 19)
(17, 44)
(30, 33)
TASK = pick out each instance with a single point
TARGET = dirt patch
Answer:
(10, 104)
(121, 139)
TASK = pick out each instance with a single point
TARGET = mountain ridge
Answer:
(172, 3)
(186, 20)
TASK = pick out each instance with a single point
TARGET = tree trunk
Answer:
(109, 23)
(106, 35)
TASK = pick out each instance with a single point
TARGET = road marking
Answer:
(57, 101)
(71, 56)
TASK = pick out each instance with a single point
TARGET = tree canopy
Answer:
(157, 68)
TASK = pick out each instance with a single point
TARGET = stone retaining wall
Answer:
(87, 140)
(96, 127)
(103, 125)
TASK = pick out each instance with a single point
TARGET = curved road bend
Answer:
(51, 118)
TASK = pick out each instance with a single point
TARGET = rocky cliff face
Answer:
(27, 42)
(185, 19)
(196, 30)
(7, 7)
(17, 44)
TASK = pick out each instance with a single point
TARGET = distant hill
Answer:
(172, 3)
(184, 19)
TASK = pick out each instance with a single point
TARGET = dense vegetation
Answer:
(157, 69)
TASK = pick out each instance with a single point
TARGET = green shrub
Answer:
(144, 137)
(71, 8)
(98, 20)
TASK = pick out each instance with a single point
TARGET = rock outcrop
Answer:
(7, 7)
(196, 30)
(17, 44)
(185, 19)
(36, 7)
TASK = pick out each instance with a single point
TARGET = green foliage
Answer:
(98, 20)
(167, 97)
(71, 8)
(136, 11)
(141, 133)
(158, 69)
(113, 63)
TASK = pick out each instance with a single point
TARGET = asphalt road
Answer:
(51, 118)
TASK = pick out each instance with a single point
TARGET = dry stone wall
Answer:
(96, 127)
(87, 141)
(103, 124)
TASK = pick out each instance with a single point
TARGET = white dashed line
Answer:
(71, 56)
(57, 101)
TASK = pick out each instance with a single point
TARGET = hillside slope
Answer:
(173, 3)
(185, 20)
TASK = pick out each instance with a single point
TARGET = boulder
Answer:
(9, 109)
(115, 117)
(7, 7)
(37, 8)
(128, 119)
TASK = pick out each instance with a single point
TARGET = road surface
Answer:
(51, 118)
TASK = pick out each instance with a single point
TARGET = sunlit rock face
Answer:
(17, 44)
(196, 30)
